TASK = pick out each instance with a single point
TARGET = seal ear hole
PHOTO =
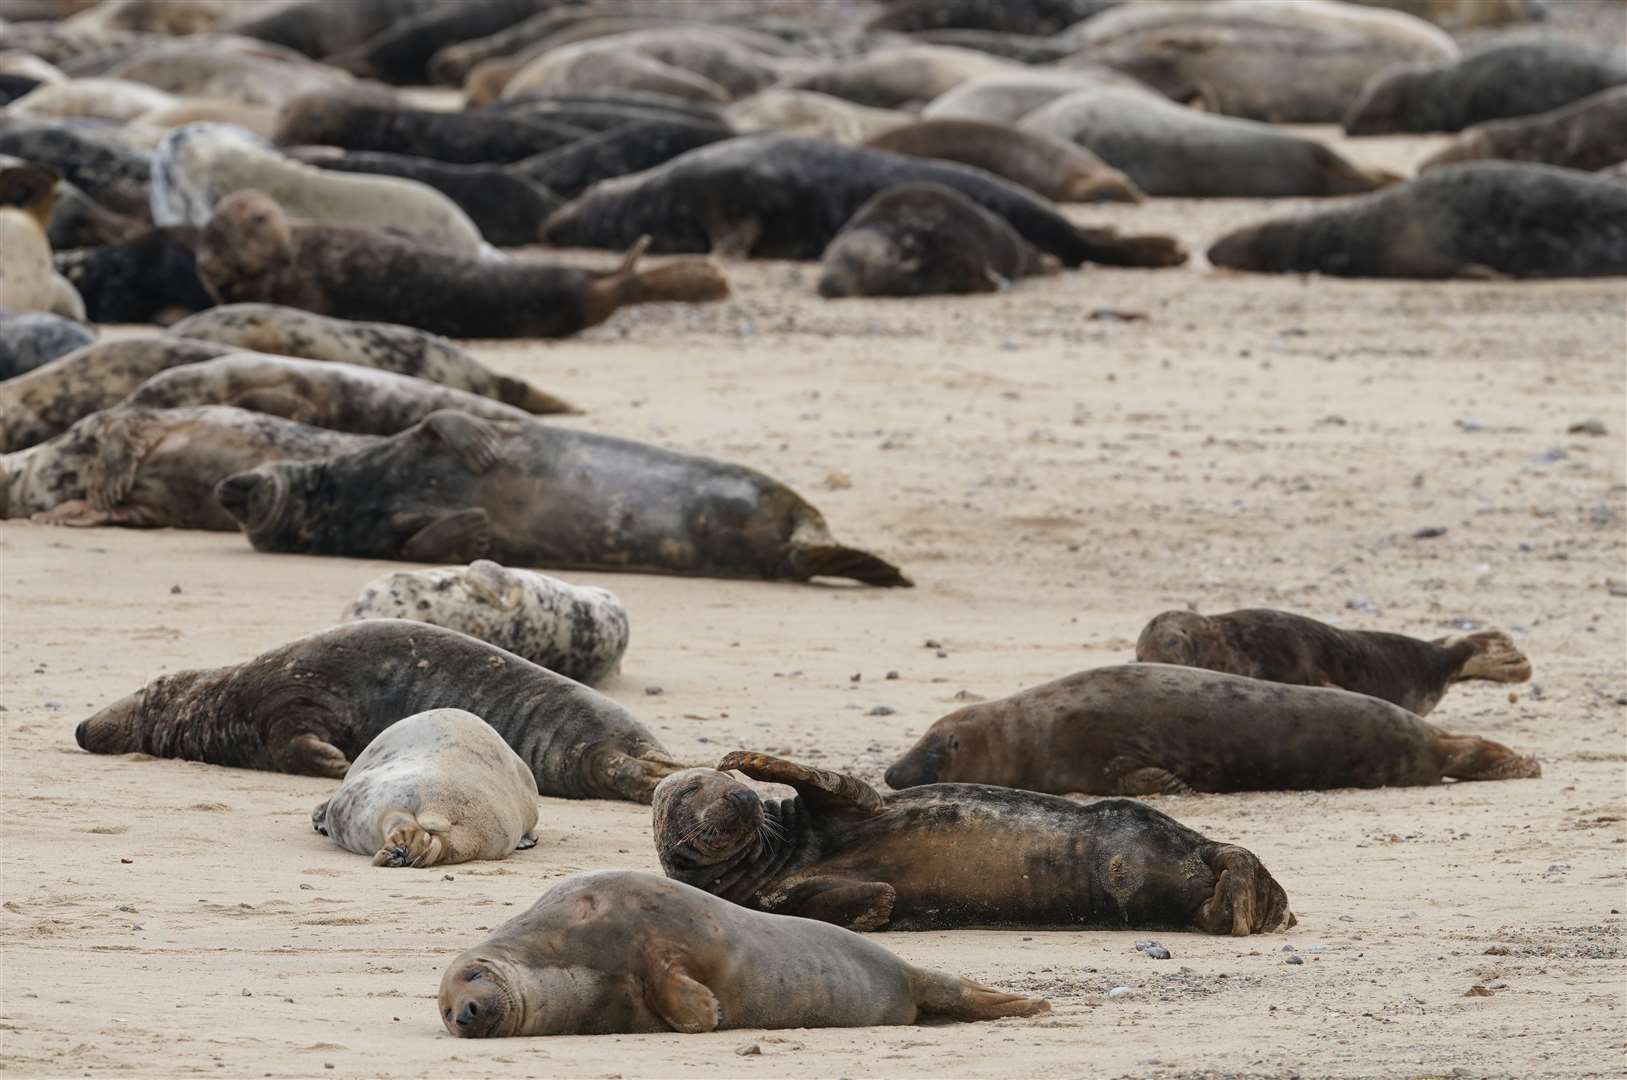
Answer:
(953, 742)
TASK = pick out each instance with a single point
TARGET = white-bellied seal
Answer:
(456, 488)
(924, 240)
(405, 350)
(1478, 219)
(1282, 647)
(623, 951)
(28, 277)
(312, 705)
(251, 251)
(31, 339)
(947, 856)
(1141, 729)
(1058, 169)
(358, 122)
(579, 631)
(434, 788)
(153, 468)
(1515, 78)
(1588, 134)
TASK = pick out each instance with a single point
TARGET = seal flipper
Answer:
(1246, 898)
(940, 994)
(1495, 657)
(619, 774)
(79, 514)
(474, 441)
(856, 905)
(319, 818)
(1131, 777)
(289, 406)
(810, 560)
(527, 842)
(522, 395)
(1106, 246)
(450, 538)
(120, 450)
(311, 755)
(672, 994)
(824, 791)
(1469, 757)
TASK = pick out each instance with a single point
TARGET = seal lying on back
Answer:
(251, 251)
(153, 468)
(1285, 648)
(311, 706)
(456, 488)
(1055, 168)
(267, 328)
(624, 952)
(926, 239)
(1589, 135)
(948, 856)
(1140, 729)
(355, 122)
(784, 196)
(31, 339)
(577, 630)
(1479, 219)
(439, 787)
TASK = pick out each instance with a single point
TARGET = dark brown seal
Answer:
(1140, 729)
(318, 28)
(400, 52)
(456, 488)
(362, 122)
(1059, 170)
(152, 277)
(1285, 648)
(951, 855)
(311, 706)
(251, 251)
(1036, 17)
(628, 148)
(619, 951)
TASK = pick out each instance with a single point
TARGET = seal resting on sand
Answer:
(28, 277)
(1589, 134)
(456, 488)
(436, 788)
(33, 338)
(1141, 729)
(311, 706)
(1280, 647)
(946, 856)
(623, 951)
(1055, 168)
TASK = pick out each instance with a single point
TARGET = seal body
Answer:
(437, 787)
(631, 148)
(355, 122)
(1005, 97)
(318, 28)
(1589, 134)
(624, 952)
(1035, 17)
(1060, 170)
(311, 706)
(456, 488)
(577, 630)
(151, 277)
(945, 856)
(28, 278)
(400, 52)
(1477, 219)
(31, 339)
(1140, 729)
(115, 175)
(905, 78)
(1286, 648)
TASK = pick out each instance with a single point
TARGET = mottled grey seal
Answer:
(400, 52)
(354, 122)
(210, 69)
(1478, 219)
(115, 176)
(31, 339)
(630, 148)
(312, 705)
(28, 277)
(151, 277)
(434, 788)
(251, 251)
(1058, 169)
(318, 28)
(1037, 17)
(577, 630)
(1588, 134)
(904, 77)
(455, 488)
(947, 856)
(1282, 647)
(623, 951)
(1140, 729)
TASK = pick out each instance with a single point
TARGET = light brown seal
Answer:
(28, 277)
(1060, 170)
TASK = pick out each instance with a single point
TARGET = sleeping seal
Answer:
(622, 951)
(1058, 169)
(1588, 134)
(947, 856)
(400, 52)
(436, 788)
(28, 277)
(357, 122)
(151, 277)
(625, 149)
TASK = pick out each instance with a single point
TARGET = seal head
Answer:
(706, 820)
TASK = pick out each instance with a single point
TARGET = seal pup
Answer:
(1479, 219)
(267, 328)
(1282, 647)
(152, 468)
(948, 856)
(1589, 134)
(620, 951)
(1142, 729)
(309, 707)
(923, 240)
(356, 122)
(28, 277)
(436, 788)
(626, 149)
(1058, 169)
(341, 397)
(151, 277)
(251, 251)
(30, 339)
(1515, 78)
(456, 488)
(577, 630)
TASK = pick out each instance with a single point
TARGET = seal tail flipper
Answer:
(1106, 246)
(950, 996)
(522, 395)
(631, 777)
(810, 560)
(1495, 658)
(1106, 185)
(415, 841)
(1469, 757)
(1246, 898)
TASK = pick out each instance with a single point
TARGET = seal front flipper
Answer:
(856, 905)
(940, 994)
(527, 842)
(79, 514)
(1469, 757)
(617, 774)
(279, 403)
(1132, 778)
(450, 538)
(1492, 656)
(824, 791)
(120, 450)
(474, 441)
(1106, 246)
(811, 560)
(311, 755)
(673, 994)
(1246, 898)
(319, 818)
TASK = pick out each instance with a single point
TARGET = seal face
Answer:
(624, 952)
(951, 855)
(437, 787)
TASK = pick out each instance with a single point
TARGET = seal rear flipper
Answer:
(79, 514)
(823, 790)
(319, 818)
(527, 842)
(672, 994)
(522, 395)
(838, 560)
(617, 774)
(1469, 757)
(474, 441)
(415, 843)
(1246, 898)
(121, 447)
(451, 538)
(1495, 658)
(1149, 780)
(1107, 247)
(684, 281)
(310, 755)
(856, 905)
(283, 403)
(950, 996)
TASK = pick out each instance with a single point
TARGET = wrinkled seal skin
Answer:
(153, 468)
(268, 328)
(149, 278)
(46, 401)
(456, 488)
(1590, 134)
(784, 196)
(1281, 647)
(1479, 219)
(251, 251)
(309, 707)
(342, 397)
(577, 630)
(353, 122)
(436, 788)
(31, 339)
(1141, 729)
(400, 54)
(318, 28)
(1513, 79)
(627, 149)
(948, 856)
(1059, 170)
(620, 951)
(922, 240)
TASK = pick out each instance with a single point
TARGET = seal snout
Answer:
(474, 1002)
(113, 730)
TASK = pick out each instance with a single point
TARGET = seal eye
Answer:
(473, 976)
(954, 743)
(1172, 642)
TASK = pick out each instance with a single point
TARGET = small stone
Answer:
(892, 675)
(750, 1050)
(931, 644)
(1429, 532)
(306, 887)
(855, 677)
(447, 877)
(1295, 959)
(246, 992)
(653, 691)
(1477, 991)
(942, 653)
(1496, 950)
(1590, 426)
(1119, 991)
(1361, 604)
(1289, 948)
(127, 862)
(881, 710)
(1156, 952)
(175, 590)
(129, 908)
